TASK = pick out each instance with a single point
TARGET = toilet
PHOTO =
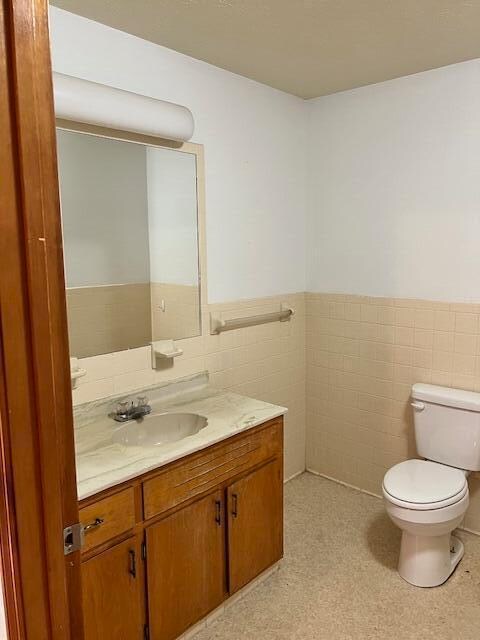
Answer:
(427, 499)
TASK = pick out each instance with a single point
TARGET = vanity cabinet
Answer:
(113, 593)
(186, 566)
(255, 524)
(105, 519)
(169, 547)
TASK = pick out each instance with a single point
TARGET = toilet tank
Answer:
(447, 425)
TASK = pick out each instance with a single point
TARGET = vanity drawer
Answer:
(107, 518)
(202, 472)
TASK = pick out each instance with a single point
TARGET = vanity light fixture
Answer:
(98, 104)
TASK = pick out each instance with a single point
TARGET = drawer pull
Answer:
(218, 512)
(93, 525)
(234, 505)
(133, 563)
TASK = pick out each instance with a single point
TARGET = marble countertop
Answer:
(102, 464)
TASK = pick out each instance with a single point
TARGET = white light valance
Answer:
(92, 103)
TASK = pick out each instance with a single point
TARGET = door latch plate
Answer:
(72, 538)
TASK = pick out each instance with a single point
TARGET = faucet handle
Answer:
(122, 407)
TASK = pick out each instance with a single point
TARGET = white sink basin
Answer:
(157, 429)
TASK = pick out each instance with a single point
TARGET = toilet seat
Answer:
(424, 485)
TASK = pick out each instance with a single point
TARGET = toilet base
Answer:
(428, 561)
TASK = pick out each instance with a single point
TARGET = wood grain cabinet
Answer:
(255, 524)
(113, 594)
(184, 538)
(186, 574)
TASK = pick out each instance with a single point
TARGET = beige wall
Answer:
(363, 355)
(266, 362)
(181, 316)
(108, 318)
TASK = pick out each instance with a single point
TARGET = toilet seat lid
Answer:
(423, 482)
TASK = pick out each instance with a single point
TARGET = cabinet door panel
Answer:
(186, 566)
(112, 594)
(255, 524)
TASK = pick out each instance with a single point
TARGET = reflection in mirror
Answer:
(130, 233)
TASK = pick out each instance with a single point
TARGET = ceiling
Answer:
(305, 47)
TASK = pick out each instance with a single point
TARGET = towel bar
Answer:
(217, 325)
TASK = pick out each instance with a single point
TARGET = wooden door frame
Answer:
(37, 476)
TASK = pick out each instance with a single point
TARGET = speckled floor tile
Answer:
(338, 580)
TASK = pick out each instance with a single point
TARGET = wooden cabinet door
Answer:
(112, 594)
(255, 523)
(186, 566)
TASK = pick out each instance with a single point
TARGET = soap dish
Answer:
(165, 350)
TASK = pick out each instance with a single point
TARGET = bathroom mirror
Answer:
(130, 235)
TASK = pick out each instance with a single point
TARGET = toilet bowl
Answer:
(427, 501)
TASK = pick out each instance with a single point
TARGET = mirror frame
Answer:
(184, 147)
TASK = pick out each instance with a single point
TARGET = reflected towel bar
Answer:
(217, 325)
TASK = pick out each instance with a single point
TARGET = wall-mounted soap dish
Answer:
(76, 371)
(164, 350)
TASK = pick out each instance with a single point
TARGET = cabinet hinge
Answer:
(144, 551)
(72, 538)
(146, 632)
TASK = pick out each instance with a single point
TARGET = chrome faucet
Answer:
(128, 410)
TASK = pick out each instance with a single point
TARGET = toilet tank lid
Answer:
(446, 396)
